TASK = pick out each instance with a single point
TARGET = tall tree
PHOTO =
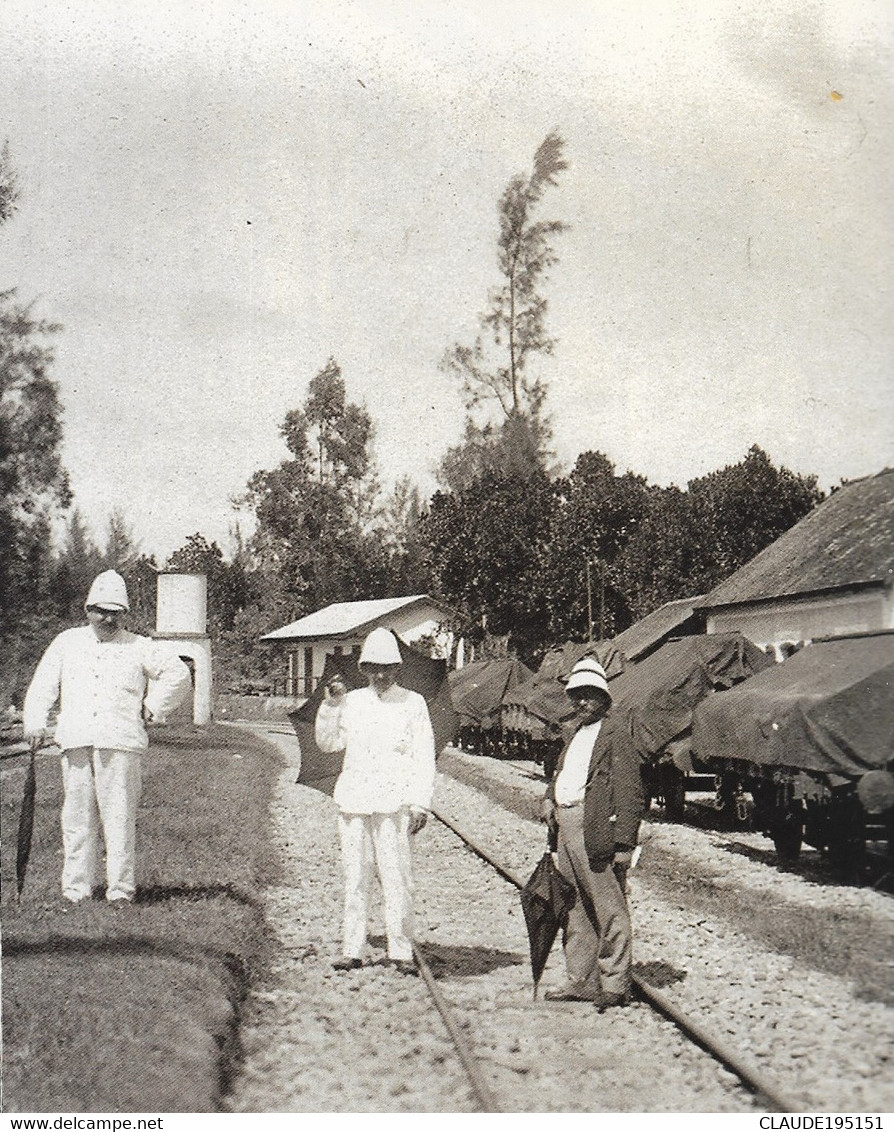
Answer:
(141, 576)
(314, 511)
(664, 559)
(485, 548)
(399, 528)
(335, 436)
(596, 514)
(32, 478)
(746, 506)
(688, 542)
(495, 369)
(33, 482)
(121, 548)
(77, 564)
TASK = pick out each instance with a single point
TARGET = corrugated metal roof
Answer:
(848, 540)
(345, 617)
(655, 627)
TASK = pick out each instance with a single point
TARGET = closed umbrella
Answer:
(26, 825)
(546, 900)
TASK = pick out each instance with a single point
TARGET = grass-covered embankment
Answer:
(109, 1009)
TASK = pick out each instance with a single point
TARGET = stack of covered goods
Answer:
(477, 691)
(811, 740)
(659, 695)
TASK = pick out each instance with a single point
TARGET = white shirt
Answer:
(103, 686)
(389, 751)
(572, 780)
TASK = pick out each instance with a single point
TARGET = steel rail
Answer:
(486, 1100)
(749, 1074)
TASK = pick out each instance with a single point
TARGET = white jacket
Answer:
(389, 751)
(103, 687)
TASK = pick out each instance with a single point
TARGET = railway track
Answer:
(657, 1054)
(757, 1083)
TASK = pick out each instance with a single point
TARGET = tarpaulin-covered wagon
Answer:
(660, 694)
(812, 740)
(477, 691)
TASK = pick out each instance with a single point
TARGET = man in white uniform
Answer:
(108, 682)
(383, 793)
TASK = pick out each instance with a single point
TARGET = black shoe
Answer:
(609, 1000)
(405, 966)
(347, 964)
(568, 994)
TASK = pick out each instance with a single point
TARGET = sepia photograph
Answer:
(447, 560)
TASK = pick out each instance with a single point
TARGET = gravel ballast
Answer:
(316, 1040)
(821, 1042)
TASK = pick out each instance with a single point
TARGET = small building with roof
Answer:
(341, 629)
(828, 576)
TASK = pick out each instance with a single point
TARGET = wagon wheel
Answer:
(673, 789)
(781, 817)
(787, 837)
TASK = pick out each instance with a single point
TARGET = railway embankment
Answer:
(370, 1040)
(795, 970)
(136, 1009)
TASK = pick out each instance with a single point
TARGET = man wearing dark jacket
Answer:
(594, 805)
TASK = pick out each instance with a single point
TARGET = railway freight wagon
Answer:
(535, 712)
(660, 695)
(812, 741)
(477, 691)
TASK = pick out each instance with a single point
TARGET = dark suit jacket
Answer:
(614, 790)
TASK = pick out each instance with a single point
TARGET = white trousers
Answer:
(102, 790)
(383, 839)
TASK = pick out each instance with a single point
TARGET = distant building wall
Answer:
(784, 621)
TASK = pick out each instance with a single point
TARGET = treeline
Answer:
(510, 550)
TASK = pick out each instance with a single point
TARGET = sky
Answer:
(217, 197)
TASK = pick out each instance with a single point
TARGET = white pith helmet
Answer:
(588, 673)
(380, 647)
(109, 591)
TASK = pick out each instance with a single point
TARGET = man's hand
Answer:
(35, 738)
(418, 818)
(334, 692)
(549, 815)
